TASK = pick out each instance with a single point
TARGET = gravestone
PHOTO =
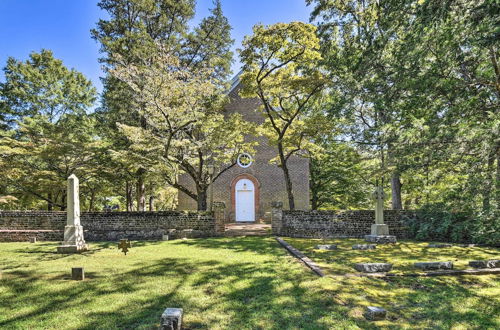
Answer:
(73, 232)
(379, 230)
(375, 313)
(32, 239)
(377, 267)
(364, 246)
(440, 245)
(484, 263)
(326, 247)
(77, 273)
(171, 319)
(434, 265)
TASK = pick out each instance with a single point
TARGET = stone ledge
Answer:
(434, 265)
(373, 267)
(381, 239)
(299, 255)
(326, 247)
(481, 264)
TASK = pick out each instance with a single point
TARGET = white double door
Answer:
(245, 200)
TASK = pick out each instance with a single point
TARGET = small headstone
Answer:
(375, 313)
(165, 237)
(326, 247)
(440, 245)
(380, 239)
(485, 263)
(32, 239)
(77, 273)
(364, 246)
(434, 265)
(171, 319)
(373, 267)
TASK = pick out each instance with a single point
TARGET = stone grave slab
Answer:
(375, 313)
(377, 267)
(171, 319)
(364, 246)
(440, 245)
(326, 247)
(434, 265)
(381, 239)
(485, 263)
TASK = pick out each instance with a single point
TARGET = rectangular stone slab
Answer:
(373, 267)
(326, 247)
(364, 246)
(171, 319)
(77, 273)
(380, 239)
(440, 245)
(484, 263)
(434, 265)
(375, 313)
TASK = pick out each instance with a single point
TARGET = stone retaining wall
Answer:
(323, 224)
(105, 226)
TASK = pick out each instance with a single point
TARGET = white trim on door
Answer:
(244, 201)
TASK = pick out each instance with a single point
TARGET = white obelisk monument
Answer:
(73, 232)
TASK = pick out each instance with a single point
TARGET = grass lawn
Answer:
(402, 255)
(223, 283)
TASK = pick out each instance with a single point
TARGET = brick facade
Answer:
(269, 176)
(108, 226)
(323, 224)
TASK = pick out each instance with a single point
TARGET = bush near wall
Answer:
(434, 222)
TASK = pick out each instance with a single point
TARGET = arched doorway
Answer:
(244, 201)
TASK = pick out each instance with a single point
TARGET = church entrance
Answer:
(244, 201)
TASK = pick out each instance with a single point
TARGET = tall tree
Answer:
(281, 69)
(186, 127)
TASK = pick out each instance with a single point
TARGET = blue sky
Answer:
(63, 26)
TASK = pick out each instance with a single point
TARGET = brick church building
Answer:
(249, 188)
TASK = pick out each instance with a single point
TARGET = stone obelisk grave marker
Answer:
(379, 230)
(73, 232)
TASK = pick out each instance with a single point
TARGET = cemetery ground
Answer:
(239, 283)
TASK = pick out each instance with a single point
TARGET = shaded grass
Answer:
(222, 283)
(402, 254)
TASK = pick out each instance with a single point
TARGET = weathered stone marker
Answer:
(485, 263)
(434, 265)
(73, 232)
(171, 319)
(375, 313)
(326, 247)
(77, 273)
(373, 267)
(379, 230)
(32, 239)
(364, 246)
(440, 245)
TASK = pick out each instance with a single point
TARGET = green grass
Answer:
(402, 255)
(223, 283)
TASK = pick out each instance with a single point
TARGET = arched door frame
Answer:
(256, 184)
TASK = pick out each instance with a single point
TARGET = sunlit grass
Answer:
(223, 283)
(402, 254)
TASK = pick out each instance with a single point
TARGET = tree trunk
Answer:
(128, 196)
(396, 191)
(288, 181)
(489, 182)
(50, 204)
(91, 202)
(141, 190)
(151, 203)
(202, 200)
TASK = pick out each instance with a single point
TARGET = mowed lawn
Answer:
(401, 255)
(223, 283)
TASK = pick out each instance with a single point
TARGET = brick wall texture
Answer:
(269, 176)
(106, 226)
(323, 224)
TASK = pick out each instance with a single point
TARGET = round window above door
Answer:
(244, 160)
